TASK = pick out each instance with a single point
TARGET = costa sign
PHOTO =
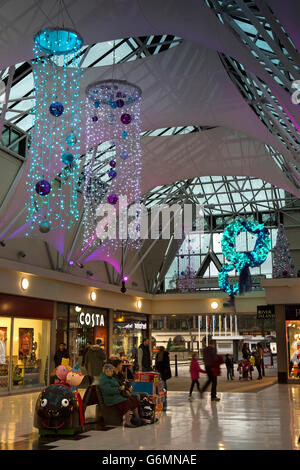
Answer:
(91, 319)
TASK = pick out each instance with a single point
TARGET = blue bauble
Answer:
(97, 104)
(112, 173)
(71, 139)
(113, 105)
(45, 227)
(124, 155)
(124, 134)
(56, 109)
(67, 158)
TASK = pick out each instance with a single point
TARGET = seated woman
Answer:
(110, 389)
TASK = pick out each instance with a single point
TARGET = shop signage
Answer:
(91, 319)
(134, 326)
(265, 312)
(292, 312)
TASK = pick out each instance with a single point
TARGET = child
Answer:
(229, 367)
(194, 371)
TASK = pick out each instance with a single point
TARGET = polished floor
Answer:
(269, 419)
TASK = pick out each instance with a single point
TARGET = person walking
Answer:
(61, 353)
(194, 371)
(94, 360)
(144, 357)
(211, 362)
(162, 365)
(88, 345)
(229, 367)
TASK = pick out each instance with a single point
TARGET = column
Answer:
(110, 323)
(282, 367)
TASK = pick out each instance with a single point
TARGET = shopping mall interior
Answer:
(149, 225)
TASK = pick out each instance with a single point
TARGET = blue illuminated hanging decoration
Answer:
(113, 116)
(54, 171)
(242, 261)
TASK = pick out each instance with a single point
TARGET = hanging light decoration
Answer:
(113, 114)
(55, 138)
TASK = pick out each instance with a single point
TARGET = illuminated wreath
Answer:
(242, 261)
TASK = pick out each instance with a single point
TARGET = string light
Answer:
(113, 115)
(55, 140)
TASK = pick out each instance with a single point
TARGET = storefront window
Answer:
(30, 354)
(128, 333)
(5, 329)
(293, 347)
(77, 324)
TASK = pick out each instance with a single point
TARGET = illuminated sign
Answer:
(91, 319)
(134, 326)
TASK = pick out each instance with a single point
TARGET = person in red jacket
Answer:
(194, 371)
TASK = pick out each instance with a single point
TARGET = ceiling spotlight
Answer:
(80, 265)
(77, 309)
(2, 243)
(21, 254)
(125, 278)
(24, 283)
(139, 304)
(93, 296)
(71, 262)
(214, 305)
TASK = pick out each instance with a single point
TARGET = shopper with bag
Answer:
(212, 364)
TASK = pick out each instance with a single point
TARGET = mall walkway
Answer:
(269, 419)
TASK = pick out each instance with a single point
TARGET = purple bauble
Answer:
(94, 119)
(113, 163)
(126, 118)
(120, 103)
(112, 199)
(43, 188)
(56, 109)
(112, 173)
(119, 94)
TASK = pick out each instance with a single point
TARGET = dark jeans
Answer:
(211, 379)
(259, 371)
(192, 386)
(229, 373)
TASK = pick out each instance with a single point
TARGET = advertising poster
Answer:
(3, 338)
(25, 342)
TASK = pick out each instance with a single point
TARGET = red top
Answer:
(195, 369)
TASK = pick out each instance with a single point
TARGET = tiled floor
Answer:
(269, 419)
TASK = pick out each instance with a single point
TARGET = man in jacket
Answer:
(210, 360)
(144, 358)
(94, 360)
(60, 353)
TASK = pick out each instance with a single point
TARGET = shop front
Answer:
(292, 328)
(129, 329)
(77, 324)
(24, 342)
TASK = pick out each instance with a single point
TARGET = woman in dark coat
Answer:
(162, 365)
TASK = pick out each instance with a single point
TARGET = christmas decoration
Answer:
(54, 171)
(111, 104)
(242, 261)
(186, 279)
(282, 262)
